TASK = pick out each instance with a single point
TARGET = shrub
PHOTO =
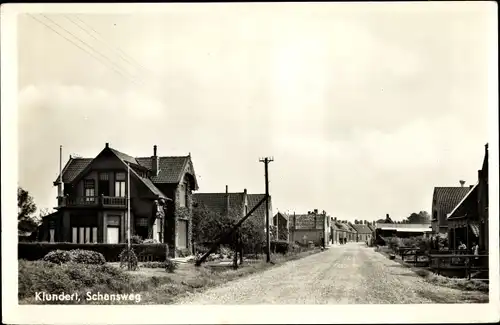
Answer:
(394, 243)
(170, 266)
(111, 252)
(154, 265)
(86, 257)
(280, 246)
(57, 257)
(128, 257)
(41, 276)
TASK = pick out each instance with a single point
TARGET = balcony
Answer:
(92, 202)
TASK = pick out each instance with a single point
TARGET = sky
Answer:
(364, 108)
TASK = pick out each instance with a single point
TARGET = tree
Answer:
(26, 219)
(421, 217)
(208, 226)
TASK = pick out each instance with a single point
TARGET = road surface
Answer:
(344, 274)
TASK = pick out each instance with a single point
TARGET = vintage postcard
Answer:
(250, 163)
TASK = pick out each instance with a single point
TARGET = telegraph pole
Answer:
(266, 162)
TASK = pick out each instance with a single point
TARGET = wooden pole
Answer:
(266, 162)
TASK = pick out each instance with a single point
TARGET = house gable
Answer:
(112, 160)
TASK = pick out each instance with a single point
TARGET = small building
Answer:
(280, 221)
(343, 231)
(364, 233)
(241, 202)
(312, 226)
(444, 200)
(353, 233)
(468, 221)
(401, 230)
(93, 192)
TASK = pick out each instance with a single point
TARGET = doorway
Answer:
(113, 235)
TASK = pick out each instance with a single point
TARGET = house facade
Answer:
(241, 202)
(92, 200)
(364, 233)
(280, 221)
(444, 200)
(468, 221)
(313, 226)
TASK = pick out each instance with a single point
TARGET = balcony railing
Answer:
(93, 201)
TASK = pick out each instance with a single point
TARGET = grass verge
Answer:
(429, 276)
(147, 285)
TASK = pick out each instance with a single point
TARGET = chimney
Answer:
(155, 162)
(227, 199)
(315, 211)
(462, 183)
(107, 145)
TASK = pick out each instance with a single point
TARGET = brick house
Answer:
(312, 226)
(364, 233)
(468, 221)
(444, 200)
(221, 203)
(92, 200)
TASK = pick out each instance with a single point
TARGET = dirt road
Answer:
(346, 274)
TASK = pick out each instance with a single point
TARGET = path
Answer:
(345, 274)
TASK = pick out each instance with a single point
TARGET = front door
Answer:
(113, 235)
(182, 234)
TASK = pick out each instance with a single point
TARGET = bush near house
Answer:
(75, 256)
(280, 246)
(111, 252)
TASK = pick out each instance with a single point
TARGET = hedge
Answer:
(145, 252)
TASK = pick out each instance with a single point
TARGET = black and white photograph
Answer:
(242, 162)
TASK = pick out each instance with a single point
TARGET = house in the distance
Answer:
(364, 233)
(240, 202)
(92, 199)
(280, 221)
(444, 200)
(313, 226)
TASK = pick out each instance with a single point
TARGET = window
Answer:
(182, 196)
(52, 234)
(120, 184)
(94, 234)
(103, 186)
(89, 187)
(83, 235)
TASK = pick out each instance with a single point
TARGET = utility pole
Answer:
(266, 162)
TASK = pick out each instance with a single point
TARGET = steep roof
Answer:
(342, 226)
(447, 198)
(73, 167)
(362, 229)
(171, 169)
(216, 202)
(372, 227)
(469, 198)
(253, 200)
